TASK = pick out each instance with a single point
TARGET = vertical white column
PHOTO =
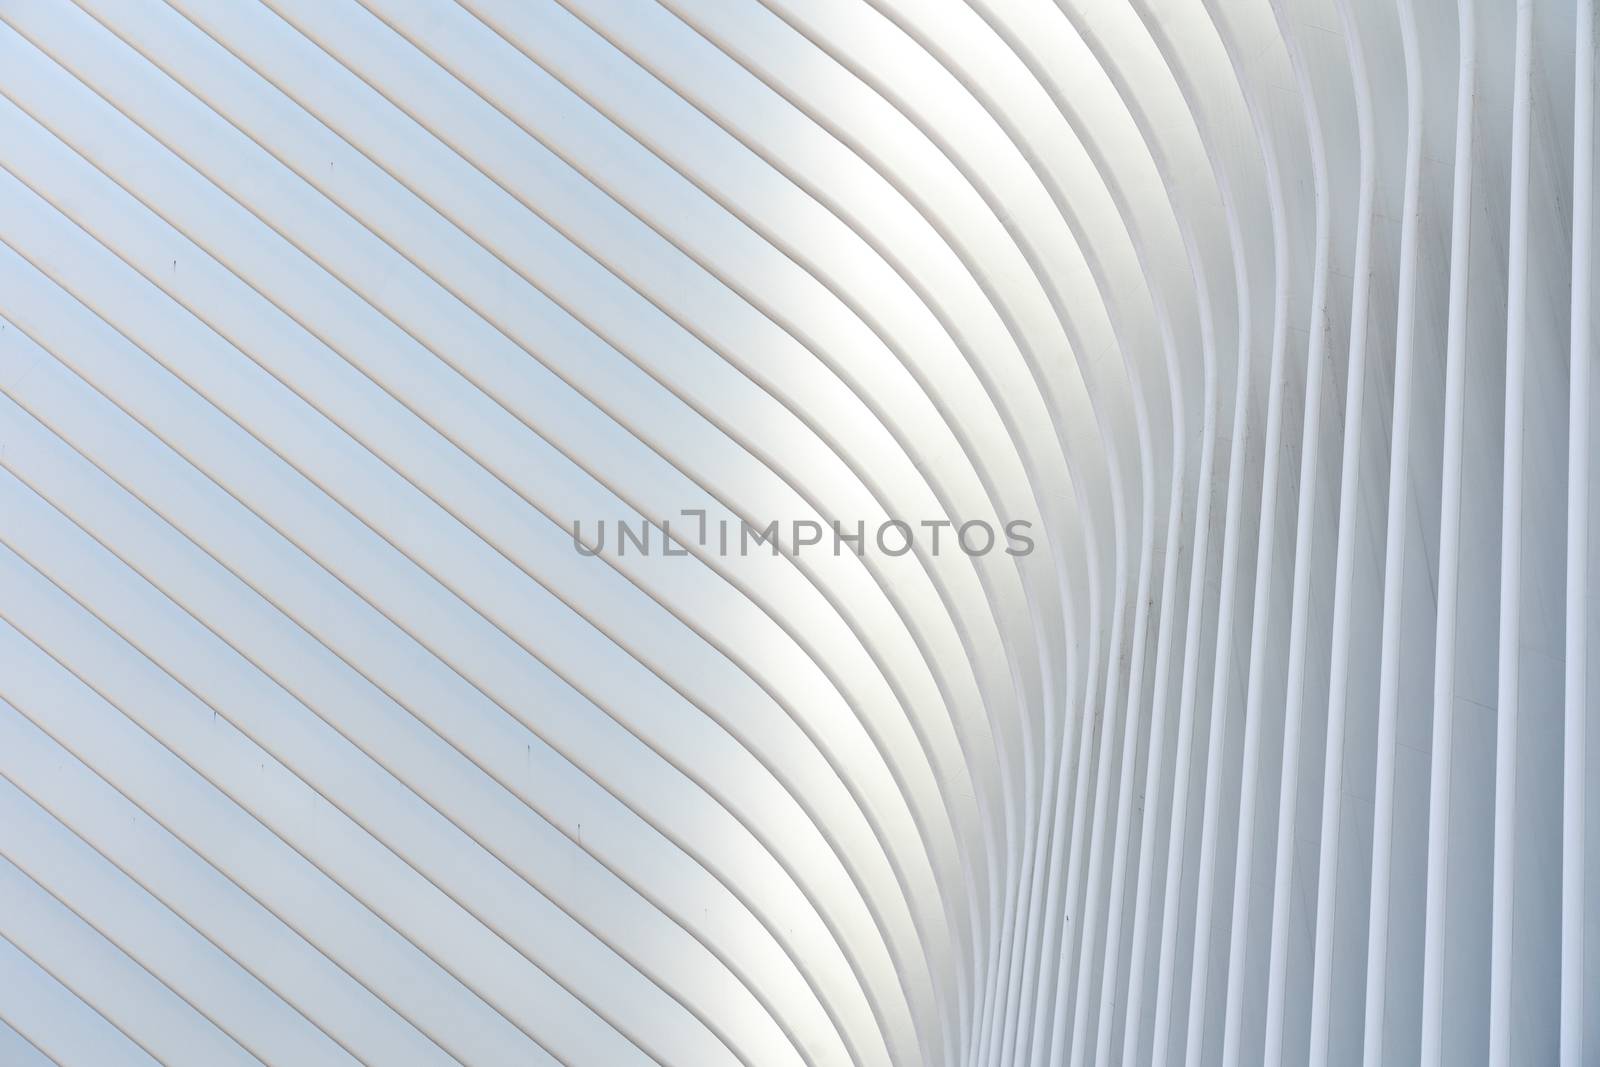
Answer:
(1574, 739)
(1444, 658)
(1344, 558)
(1394, 556)
(1288, 792)
(1510, 659)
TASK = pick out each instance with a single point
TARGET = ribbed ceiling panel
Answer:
(797, 532)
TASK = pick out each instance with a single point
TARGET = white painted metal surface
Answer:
(325, 324)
